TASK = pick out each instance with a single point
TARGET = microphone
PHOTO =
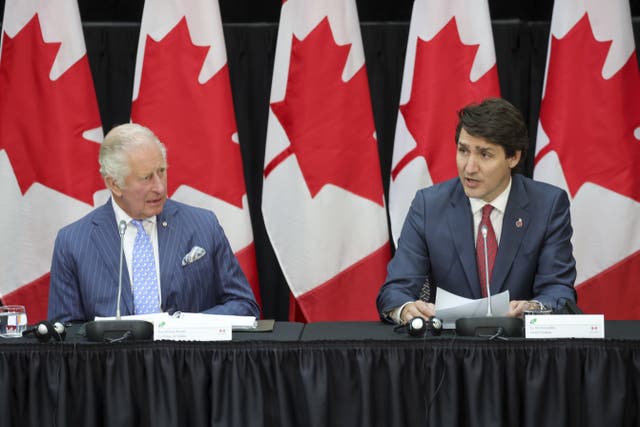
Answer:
(122, 227)
(483, 230)
(119, 329)
(489, 326)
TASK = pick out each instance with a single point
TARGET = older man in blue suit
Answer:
(529, 222)
(182, 246)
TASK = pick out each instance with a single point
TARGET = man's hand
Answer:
(517, 308)
(417, 308)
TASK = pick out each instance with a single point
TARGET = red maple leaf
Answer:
(442, 86)
(42, 121)
(195, 121)
(329, 122)
(590, 120)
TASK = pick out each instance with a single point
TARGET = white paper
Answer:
(450, 307)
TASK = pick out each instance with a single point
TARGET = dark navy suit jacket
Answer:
(85, 266)
(534, 260)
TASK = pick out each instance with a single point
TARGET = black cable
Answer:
(498, 334)
(124, 337)
(438, 387)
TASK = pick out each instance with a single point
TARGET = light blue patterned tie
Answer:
(145, 282)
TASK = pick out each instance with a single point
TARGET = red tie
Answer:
(492, 248)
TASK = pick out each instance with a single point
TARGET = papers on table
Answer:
(193, 326)
(450, 307)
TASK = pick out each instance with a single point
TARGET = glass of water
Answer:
(13, 320)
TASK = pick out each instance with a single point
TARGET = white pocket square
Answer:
(194, 254)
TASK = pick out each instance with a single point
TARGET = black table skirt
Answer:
(446, 381)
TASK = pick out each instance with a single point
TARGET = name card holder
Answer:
(564, 326)
(185, 329)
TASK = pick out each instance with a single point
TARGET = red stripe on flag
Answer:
(277, 160)
(404, 162)
(247, 259)
(543, 152)
(35, 298)
(614, 292)
(351, 294)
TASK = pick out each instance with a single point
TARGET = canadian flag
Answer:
(182, 93)
(450, 62)
(322, 199)
(50, 132)
(589, 144)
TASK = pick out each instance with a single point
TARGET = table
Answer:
(325, 374)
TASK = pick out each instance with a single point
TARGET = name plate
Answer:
(564, 326)
(185, 329)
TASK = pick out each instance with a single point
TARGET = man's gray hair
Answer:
(119, 142)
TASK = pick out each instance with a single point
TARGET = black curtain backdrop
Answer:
(269, 10)
(111, 30)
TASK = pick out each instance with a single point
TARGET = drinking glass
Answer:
(13, 321)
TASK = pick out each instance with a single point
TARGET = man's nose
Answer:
(472, 164)
(158, 183)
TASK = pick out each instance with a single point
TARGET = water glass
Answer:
(13, 321)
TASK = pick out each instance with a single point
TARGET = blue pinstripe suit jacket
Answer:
(85, 266)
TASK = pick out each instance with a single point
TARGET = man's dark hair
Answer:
(497, 121)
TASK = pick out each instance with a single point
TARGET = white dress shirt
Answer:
(497, 214)
(149, 225)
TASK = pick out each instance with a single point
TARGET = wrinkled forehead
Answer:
(146, 158)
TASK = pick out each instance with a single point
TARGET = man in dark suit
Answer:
(529, 222)
(183, 246)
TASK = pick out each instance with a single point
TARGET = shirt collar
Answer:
(499, 203)
(121, 215)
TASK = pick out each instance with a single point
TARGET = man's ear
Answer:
(113, 186)
(515, 159)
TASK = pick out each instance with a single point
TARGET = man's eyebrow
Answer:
(485, 148)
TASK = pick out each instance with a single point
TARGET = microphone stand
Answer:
(483, 230)
(489, 326)
(118, 329)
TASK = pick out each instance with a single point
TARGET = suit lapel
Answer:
(460, 219)
(106, 240)
(514, 227)
(168, 247)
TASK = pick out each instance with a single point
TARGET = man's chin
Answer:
(470, 192)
